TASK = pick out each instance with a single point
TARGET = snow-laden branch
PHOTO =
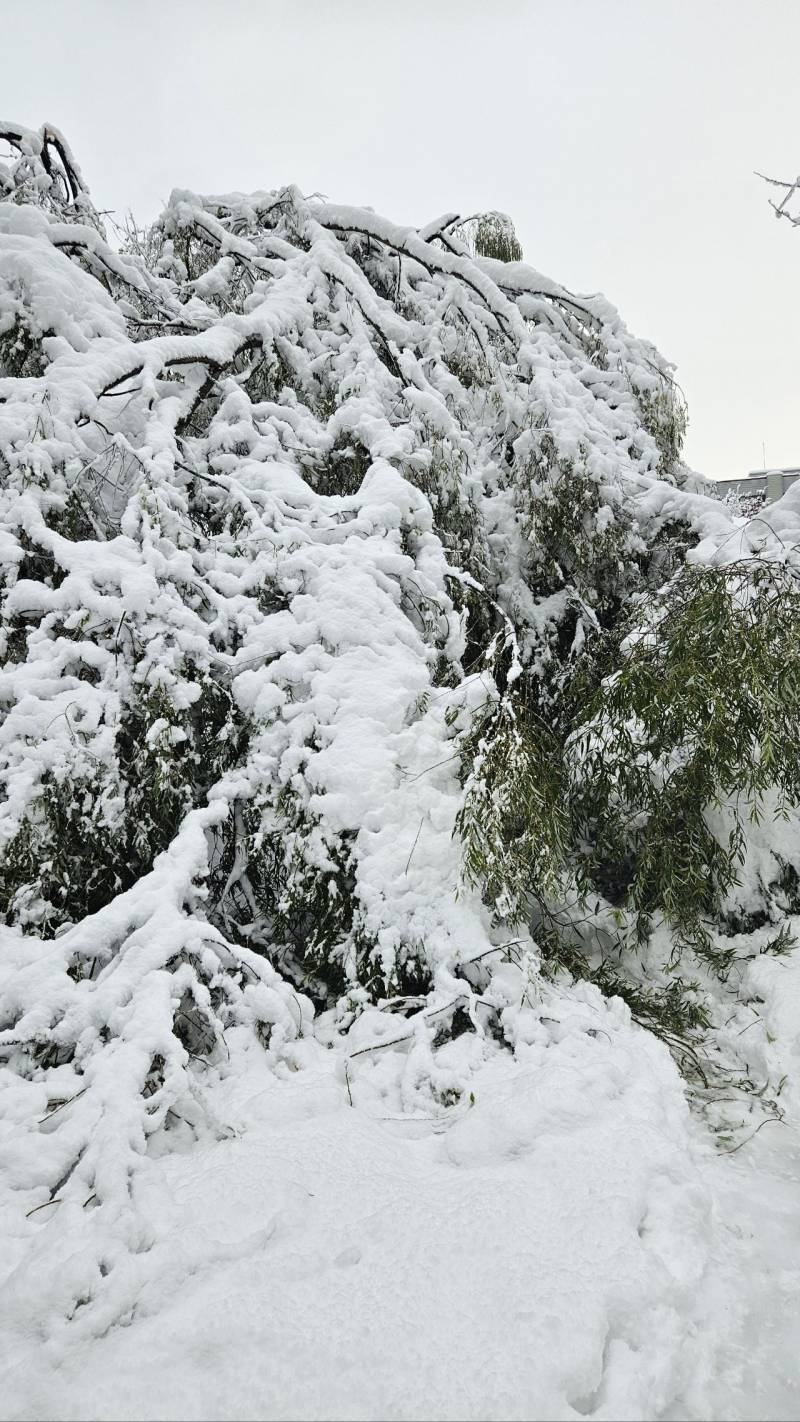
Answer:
(783, 208)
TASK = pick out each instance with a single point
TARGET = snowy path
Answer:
(748, 1316)
(567, 1246)
(751, 1301)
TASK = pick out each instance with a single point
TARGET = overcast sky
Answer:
(621, 136)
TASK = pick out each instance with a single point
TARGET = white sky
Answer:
(621, 136)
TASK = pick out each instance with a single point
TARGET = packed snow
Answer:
(565, 1244)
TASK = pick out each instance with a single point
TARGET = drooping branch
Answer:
(46, 153)
(781, 209)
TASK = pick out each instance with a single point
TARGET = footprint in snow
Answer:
(348, 1256)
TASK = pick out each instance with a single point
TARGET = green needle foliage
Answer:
(703, 714)
(494, 236)
(637, 792)
(513, 822)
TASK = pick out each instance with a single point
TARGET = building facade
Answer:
(771, 484)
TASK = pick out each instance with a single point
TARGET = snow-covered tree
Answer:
(347, 640)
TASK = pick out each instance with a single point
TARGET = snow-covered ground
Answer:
(566, 1244)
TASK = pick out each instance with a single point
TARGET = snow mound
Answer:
(534, 1254)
